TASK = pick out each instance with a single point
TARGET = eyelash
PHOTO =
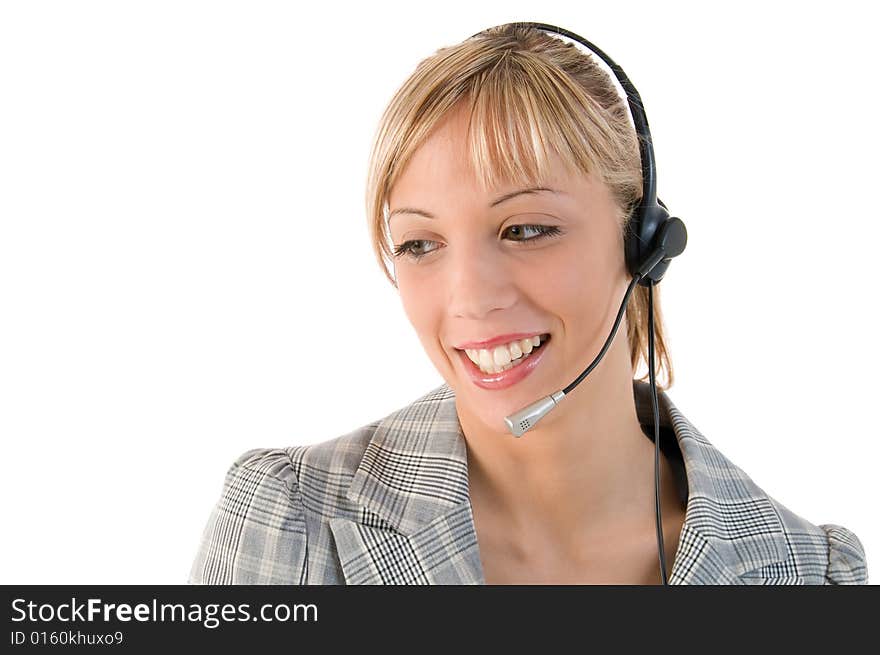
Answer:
(544, 231)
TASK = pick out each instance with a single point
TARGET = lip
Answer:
(496, 341)
(504, 379)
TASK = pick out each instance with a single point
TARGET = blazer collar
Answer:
(417, 525)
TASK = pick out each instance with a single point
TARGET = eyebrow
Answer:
(494, 203)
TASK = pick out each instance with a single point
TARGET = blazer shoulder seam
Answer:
(261, 460)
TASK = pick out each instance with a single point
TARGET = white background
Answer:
(185, 271)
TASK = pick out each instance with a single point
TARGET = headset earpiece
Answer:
(649, 228)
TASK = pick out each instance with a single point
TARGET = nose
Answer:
(479, 282)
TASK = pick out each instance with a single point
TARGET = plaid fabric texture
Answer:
(388, 504)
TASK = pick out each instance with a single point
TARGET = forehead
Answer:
(442, 168)
(443, 154)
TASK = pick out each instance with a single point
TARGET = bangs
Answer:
(522, 113)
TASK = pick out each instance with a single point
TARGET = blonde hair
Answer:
(528, 92)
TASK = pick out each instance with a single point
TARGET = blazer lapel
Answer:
(416, 524)
(732, 533)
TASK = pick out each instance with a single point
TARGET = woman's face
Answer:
(482, 274)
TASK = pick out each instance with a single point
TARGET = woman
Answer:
(503, 178)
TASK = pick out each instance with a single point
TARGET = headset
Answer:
(652, 239)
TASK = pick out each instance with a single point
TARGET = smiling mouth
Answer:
(516, 352)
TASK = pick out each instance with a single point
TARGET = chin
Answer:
(486, 409)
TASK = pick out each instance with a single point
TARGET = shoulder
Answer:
(824, 554)
(257, 532)
(846, 556)
(734, 526)
(809, 553)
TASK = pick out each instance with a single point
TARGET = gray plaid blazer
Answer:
(388, 504)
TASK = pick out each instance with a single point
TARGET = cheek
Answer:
(579, 284)
(424, 313)
(422, 309)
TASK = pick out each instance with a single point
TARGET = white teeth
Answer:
(502, 357)
(515, 351)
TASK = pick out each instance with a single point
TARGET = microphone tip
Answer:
(520, 422)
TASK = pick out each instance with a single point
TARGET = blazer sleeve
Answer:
(846, 557)
(256, 533)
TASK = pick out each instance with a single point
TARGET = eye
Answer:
(414, 249)
(542, 230)
(411, 249)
